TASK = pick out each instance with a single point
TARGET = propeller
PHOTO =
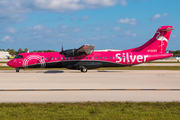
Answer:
(62, 51)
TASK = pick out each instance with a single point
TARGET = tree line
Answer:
(20, 50)
(175, 53)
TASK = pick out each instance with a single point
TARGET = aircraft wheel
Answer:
(17, 69)
(83, 69)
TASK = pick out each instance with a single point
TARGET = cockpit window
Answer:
(19, 56)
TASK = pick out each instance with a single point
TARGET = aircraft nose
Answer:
(10, 64)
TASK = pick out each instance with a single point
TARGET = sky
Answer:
(107, 24)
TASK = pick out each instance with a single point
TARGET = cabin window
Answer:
(42, 58)
(123, 56)
(103, 57)
(19, 56)
(49, 58)
(52, 58)
(107, 57)
(110, 57)
(96, 57)
(86, 57)
(59, 58)
(82, 57)
(89, 57)
(55, 58)
(45, 58)
(92, 57)
(113, 57)
(79, 58)
(99, 57)
(62, 58)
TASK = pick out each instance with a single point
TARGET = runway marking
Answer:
(89, 89)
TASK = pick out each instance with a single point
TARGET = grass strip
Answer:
(3, 62)
(91, 111)
(109, 68)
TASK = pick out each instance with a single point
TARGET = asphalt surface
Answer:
(74, 86)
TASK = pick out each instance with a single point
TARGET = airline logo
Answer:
(161, 38)
(129, 58)
(38, 58)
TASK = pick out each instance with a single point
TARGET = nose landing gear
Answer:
(17, 69)
(83, 69)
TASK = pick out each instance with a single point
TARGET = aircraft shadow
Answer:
(54, 71)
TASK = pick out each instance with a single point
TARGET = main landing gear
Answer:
(17, 69)
(83, 69)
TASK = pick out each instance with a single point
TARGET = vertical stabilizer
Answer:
(158, 43)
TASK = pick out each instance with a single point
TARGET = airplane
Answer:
(85, 57)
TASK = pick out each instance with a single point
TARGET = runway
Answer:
(74, 86)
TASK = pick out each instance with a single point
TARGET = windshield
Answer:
(19, 56)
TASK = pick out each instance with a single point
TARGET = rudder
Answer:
(158, 43)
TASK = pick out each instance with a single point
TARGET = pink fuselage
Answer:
(94, 60)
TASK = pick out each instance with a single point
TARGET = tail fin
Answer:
(158, 43)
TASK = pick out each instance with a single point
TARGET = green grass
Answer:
(90, 111)
(109, 68)
(2, 62)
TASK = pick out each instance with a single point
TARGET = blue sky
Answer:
(107, 24)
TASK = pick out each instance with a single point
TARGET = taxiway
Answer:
(93, 79)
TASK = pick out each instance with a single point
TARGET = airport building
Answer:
(4, 55)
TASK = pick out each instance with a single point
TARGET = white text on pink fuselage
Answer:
(129, 58)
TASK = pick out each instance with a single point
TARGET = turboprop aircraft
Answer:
(86, 57)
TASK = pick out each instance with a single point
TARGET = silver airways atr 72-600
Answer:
(85, 57)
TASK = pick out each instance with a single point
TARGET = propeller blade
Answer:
(62, 51)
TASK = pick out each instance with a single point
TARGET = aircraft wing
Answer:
(87, 49)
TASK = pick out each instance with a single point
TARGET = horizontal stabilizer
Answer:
(167, 29)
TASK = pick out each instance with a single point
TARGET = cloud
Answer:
(97, 29)
(159, 16)
(11, 30)
(17, 10)
(129, 33)
(131, 21)
(5, 38)
(13, 10)
(37, 27)
(85, 17)
(64, 26)
(74, 18)
(124, 2)
(174, 36)
(116, 29)
(65, 5)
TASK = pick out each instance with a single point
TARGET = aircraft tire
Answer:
(83, 69)
(17, 69)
